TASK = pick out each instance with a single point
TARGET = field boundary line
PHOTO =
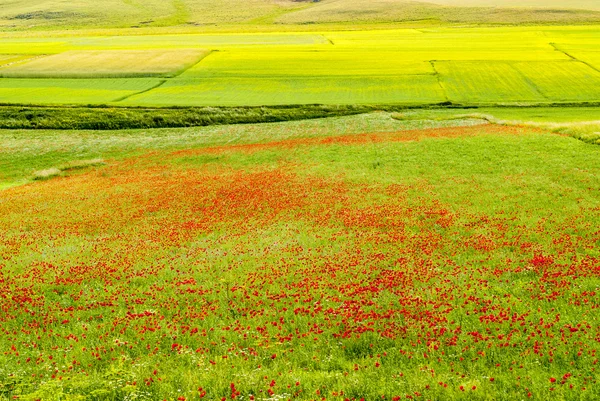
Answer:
(158, 85)
(178, 73)
(529, 81)
(558, 49)
(328, 40)
(24, 60)
(438, 76)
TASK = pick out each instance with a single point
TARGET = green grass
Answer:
(111, 118)
(27, 151)
(562, 80)
(579, 123)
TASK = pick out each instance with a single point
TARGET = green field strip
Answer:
(69, 91)
(486, 82)
(413, 89)
(562, 80)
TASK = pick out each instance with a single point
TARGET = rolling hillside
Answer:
(52, 14)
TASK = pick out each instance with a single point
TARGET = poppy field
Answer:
(350, 258)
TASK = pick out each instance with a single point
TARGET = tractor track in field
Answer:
(558, 49)
(438, 76)
(161, 83)
(193, 65)
(529, 81)
(165, 80)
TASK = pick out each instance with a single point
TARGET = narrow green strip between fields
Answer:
(121, 117)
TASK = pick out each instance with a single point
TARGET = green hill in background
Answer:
(245, 14)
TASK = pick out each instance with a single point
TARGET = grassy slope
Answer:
(558, 4)
(580, 123)
(49, 14)
(27, 151)
(352, 11)
(30, 15)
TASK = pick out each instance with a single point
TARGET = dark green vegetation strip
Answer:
(111, 118)
(114, 118)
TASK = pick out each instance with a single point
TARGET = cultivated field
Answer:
(81, 91)
(106, 64)
(474, 66)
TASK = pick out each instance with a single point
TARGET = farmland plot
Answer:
(475, 65)
(256, 91)
(104, 63)
(453, 45)
(7, 59)
(592, 58)
(562, 80)
(321, 62)
(486, 82)
(210, 41)
(70, 91)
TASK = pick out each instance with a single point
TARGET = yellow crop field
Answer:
(387, 66)
(104, 63)
(592, 58)
(322, 62)
(454, 44)
(411, 89)
(7, 59)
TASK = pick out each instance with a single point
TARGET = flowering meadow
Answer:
(440, 263)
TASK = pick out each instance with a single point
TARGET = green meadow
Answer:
(336, 258)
